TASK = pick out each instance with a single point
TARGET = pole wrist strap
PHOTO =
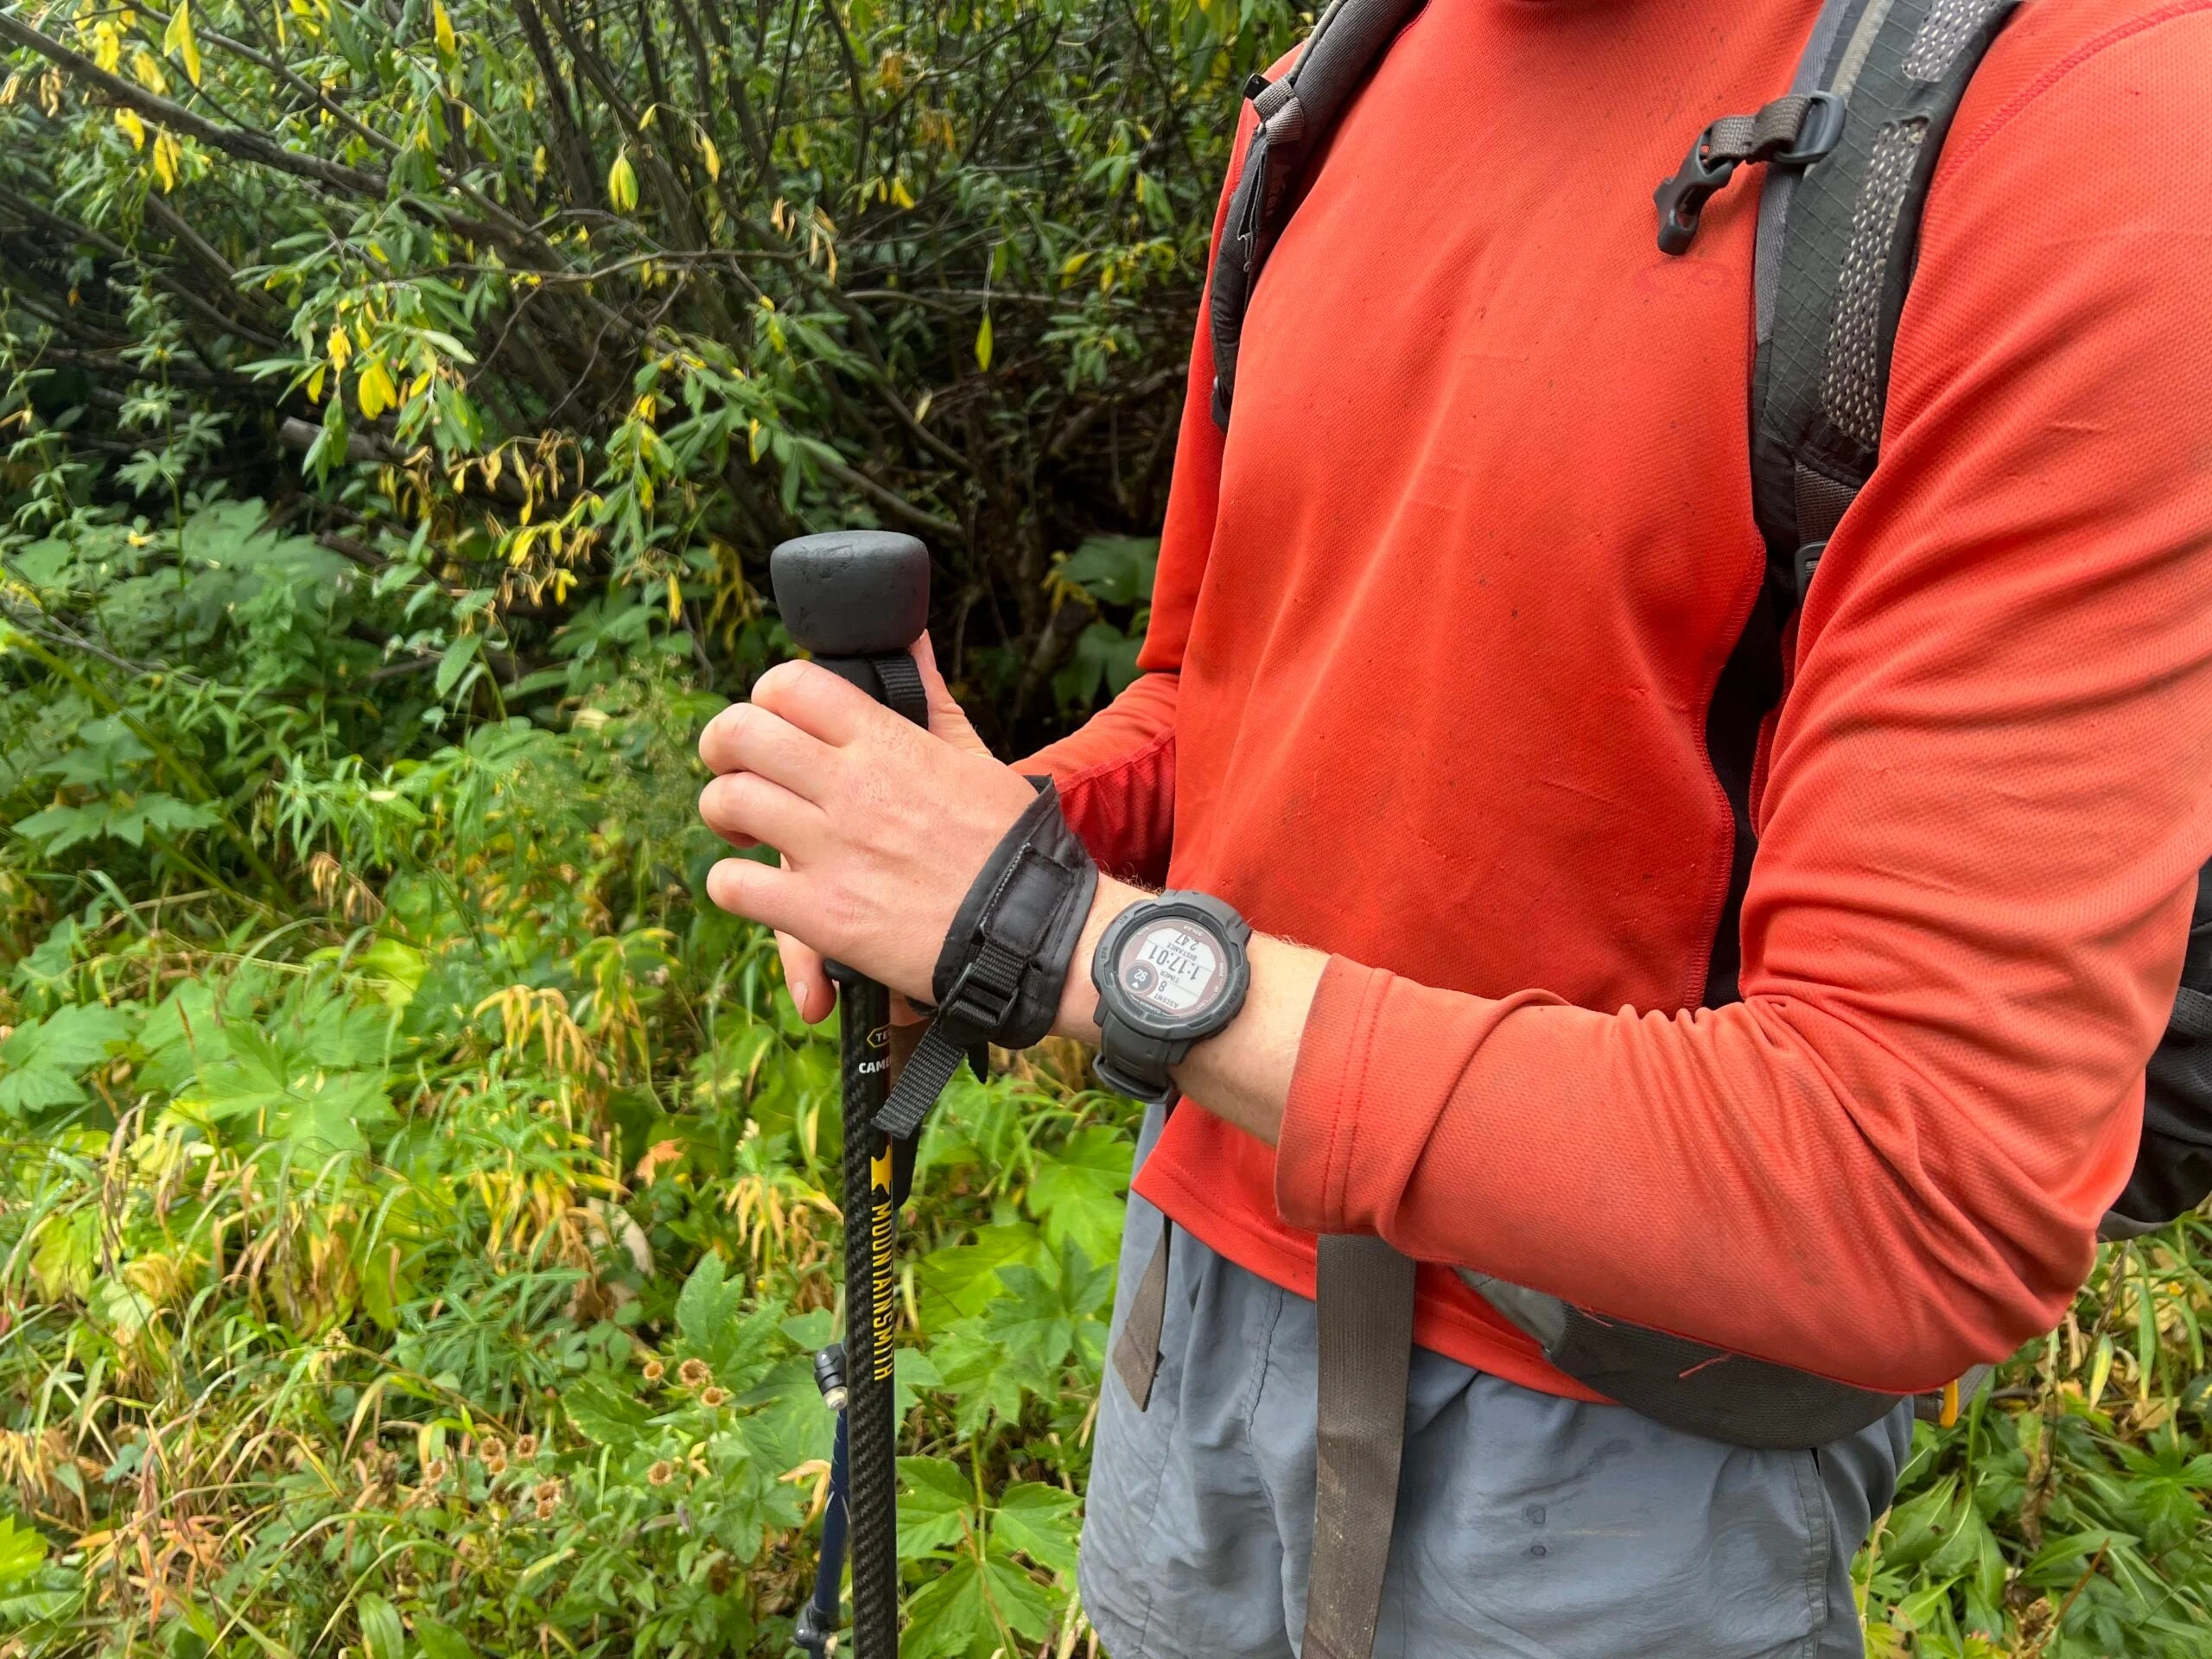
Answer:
(1005, 962)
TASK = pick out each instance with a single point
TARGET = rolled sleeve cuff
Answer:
(1379, 1059)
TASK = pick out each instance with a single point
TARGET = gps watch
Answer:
(1171, 971)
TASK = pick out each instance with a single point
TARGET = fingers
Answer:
(817, 702)
(758, 892)
(948, 720)
(747, 737)
(745, 809)
(807, 978)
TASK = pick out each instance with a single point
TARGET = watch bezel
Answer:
(1221, 924)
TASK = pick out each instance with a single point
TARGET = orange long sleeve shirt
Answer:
(1437, 626)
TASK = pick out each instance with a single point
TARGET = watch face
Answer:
(1173, 969)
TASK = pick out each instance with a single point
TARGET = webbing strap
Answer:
(902, 686)
(1759, 136)
(1136, 1352)
(1364, 1295)
(928, 1069)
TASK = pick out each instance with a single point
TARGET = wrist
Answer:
(1078, 1014)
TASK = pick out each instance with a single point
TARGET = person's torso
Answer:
(1485, 543)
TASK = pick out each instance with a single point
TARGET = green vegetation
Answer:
(417, 1207)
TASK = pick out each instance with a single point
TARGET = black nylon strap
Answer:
(902, 686)
(928, 1069)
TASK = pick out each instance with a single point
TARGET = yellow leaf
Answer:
(710, 154)
(133, 127)
(107, 46)
(166, 156)
(983, 344)
(622, 182)
(441, 25)
(563, 581)
(315, 383)
(341, 349)
(675, 599)
(178, 38)
(419, 384)
(148, 68)
(900, 194)
(538, 163)
(375, 390)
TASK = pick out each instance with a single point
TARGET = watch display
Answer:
(1169, 972)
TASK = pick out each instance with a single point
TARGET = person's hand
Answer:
(881, 827)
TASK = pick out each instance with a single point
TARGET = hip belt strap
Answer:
(1364, 1306)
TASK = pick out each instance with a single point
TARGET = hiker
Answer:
(1693, 892)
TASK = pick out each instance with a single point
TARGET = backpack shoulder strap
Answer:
(1837, 243)
(1297, 114)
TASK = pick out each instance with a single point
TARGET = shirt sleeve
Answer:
(1116, 774)
(1983, 811)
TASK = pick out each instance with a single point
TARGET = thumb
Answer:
(948, 720)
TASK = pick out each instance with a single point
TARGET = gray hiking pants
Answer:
(1528, 1527)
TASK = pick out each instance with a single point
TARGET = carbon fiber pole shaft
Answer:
(871, 1313)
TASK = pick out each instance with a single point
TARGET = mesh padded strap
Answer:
(1364, 1295)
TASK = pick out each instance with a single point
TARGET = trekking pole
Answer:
(858, 600)
(817, 1631)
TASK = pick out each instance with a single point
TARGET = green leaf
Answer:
(380, 1628)
(983, 344)
(41, 1061)
(937, 1506)
(1115, 569)
(1041, 1521)
(602, 1412)
(947, 1616)
(959, 1281)
(1078, 1192)
(22, 1550)
(458, 656)
(706, 1305)
(441, 1641)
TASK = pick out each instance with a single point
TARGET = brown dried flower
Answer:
(694, 1374)
(661, 1473)
(525, 1446)
(654, 1371)
(713, 1397)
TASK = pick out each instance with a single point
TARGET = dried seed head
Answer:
(694, 1374)
(525, 1446)
(661, 1473)
(655, 1370)
(713, 1397)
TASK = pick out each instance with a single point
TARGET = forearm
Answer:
(1242, 1076)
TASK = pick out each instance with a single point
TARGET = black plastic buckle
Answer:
(1682, 199)
(1255, 84)
(965, 1003)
